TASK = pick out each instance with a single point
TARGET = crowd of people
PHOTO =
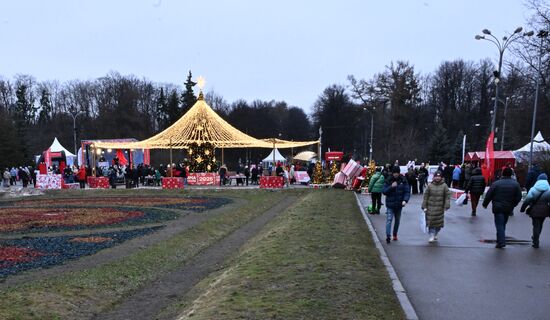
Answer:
(505, 194)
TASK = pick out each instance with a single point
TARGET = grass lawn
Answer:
(315, 261)
(81, 294)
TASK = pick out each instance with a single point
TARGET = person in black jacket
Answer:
(505, 194)
(397, 192)
(476, 187)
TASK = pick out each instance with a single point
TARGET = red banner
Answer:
(488, 167)
(203, 179)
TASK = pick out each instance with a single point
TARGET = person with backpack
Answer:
(376, 186)
(537, 205)
(476, 187)
(397, 192)
(505, 194)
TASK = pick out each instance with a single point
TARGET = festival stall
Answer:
(56, 154)
(201, 131)
(105, 157)
(273, 158)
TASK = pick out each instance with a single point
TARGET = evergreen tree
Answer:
(188, 97)
(162, 111)
(24, 114)
(10, 151)
(202, 158)
(45, 107)
(173, 108)
(439, 146)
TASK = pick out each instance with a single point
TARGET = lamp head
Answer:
(478, 37)
(518, 30)
(486, 31)
(529, 33)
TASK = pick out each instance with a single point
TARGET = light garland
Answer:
(201, 125)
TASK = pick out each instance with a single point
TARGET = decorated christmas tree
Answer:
(202, 158)
(371, 169)
(334, 168)
(318, 176)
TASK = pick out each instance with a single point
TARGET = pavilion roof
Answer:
(201, 125)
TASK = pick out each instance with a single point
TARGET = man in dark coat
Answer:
(505, 194)
(476, 187)
(397, 192)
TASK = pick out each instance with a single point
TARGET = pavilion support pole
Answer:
(171, 162)
(319, 151)
(274, 171)
(93, 160)
(222, 157)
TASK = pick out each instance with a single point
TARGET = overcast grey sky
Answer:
(282, 50)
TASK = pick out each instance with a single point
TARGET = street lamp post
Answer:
(501, 45)
(371, 130)
(542, 34)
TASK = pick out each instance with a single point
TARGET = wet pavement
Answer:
(463, 275)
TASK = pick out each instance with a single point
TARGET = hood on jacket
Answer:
(476, 171)
(541, 185)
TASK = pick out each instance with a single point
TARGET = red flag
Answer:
(489, 157)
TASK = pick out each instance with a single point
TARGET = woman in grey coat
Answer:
(437, 199)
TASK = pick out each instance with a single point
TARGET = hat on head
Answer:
(438, 174)
(395, 169)
(507, 172)
(542, 176)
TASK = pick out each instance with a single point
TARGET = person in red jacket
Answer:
(81, 176)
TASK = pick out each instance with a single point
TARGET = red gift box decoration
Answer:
(352, 169)
(172, 183)
(98, 182)
(267, 182)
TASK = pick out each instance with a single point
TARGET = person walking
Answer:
(475, 187)
(81, 177)
(411, 177)
(376, 186)
(397, 192)
(456, 176)
(537, 203)
(505, 194)
(222, 172)
(6, 176)
(437, 200)
(246, 174)
(422, 177)
(13, 175)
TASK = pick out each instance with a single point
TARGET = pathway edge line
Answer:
(410, 313)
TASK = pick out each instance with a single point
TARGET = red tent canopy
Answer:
(502, 159)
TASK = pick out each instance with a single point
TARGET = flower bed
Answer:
(71, 218)
(38, 252)
(184, 203)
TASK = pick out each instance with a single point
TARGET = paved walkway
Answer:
(464, 277)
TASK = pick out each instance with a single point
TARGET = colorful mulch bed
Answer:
(183, 203)
(22, 219)
(67, 218)
(29, 253)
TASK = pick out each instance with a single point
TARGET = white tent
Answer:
(540, 149)
(305, 156)
(278, 157)
(539, 144)
(57, 147)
